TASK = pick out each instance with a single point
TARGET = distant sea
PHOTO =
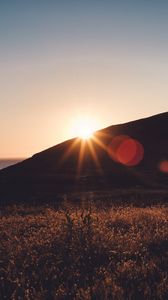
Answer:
(8, 162)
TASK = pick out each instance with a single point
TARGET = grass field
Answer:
(84, 251)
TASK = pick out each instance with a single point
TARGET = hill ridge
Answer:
(59, 168)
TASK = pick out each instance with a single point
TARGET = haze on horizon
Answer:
(62, 60)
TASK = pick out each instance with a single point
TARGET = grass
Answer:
(84, 252)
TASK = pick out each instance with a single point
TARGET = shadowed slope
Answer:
(77, 164)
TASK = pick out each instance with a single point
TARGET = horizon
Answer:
(62, 63)
(23, 158)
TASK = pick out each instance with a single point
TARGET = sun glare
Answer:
(84, 128)
(85, 131)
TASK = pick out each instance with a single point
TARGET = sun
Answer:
(85, 130)
(84, 127)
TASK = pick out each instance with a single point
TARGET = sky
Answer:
(63, 60)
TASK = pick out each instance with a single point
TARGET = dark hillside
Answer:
(130, 154)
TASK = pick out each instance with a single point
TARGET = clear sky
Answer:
(62, 60)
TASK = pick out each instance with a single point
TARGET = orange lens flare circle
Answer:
(164, 166)
(126, 150)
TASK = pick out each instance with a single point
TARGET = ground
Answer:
(88, 249)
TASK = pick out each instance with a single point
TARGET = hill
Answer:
(124, 155)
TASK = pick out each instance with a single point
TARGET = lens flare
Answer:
(126, 150)
(164, 166)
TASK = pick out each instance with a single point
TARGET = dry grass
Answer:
(84, 253)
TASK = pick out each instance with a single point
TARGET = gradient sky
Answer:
(60, 60)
